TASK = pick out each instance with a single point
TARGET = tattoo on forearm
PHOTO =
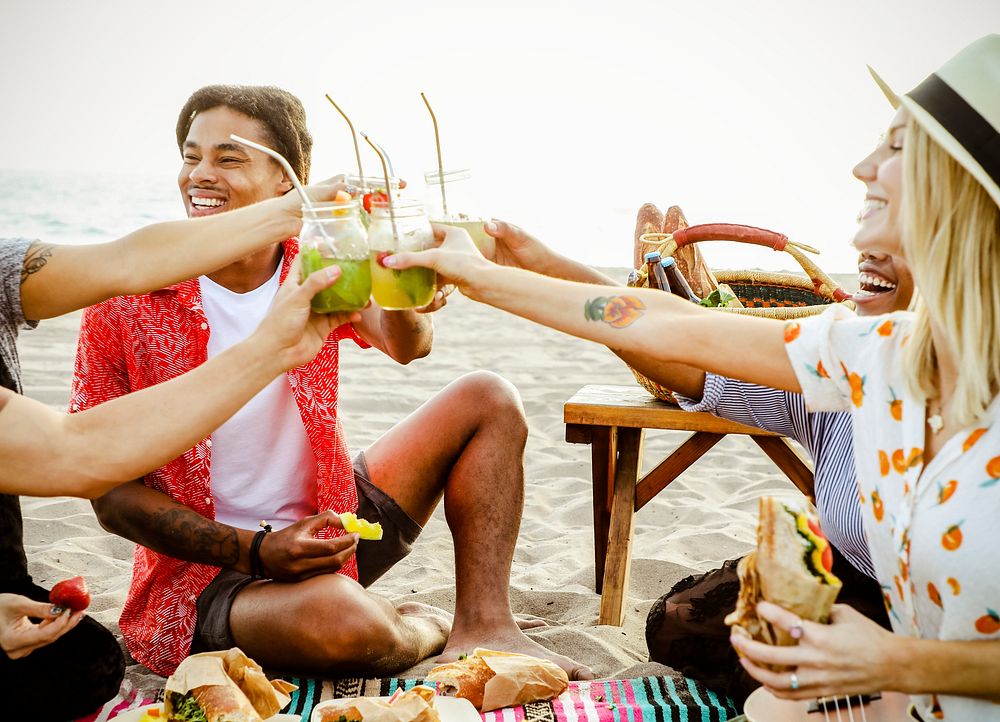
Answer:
(616, 311)
(189, 536)
(35, 259)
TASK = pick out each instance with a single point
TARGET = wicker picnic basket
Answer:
(762, 293)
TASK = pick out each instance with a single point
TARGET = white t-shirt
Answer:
(262, 464)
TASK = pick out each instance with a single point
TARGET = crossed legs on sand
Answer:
(466, 446)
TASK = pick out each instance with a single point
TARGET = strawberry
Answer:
(71, 593)
(374, 197)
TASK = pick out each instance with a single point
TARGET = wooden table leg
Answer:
(619, 558)
(673, 466)
(787, 458)
(604, 455)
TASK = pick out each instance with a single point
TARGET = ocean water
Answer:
(83, 207)
(91, 207)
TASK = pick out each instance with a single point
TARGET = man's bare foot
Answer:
(433, 625)
(529, 621)
(509, 639)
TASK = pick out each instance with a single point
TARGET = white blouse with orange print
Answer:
(932, 530)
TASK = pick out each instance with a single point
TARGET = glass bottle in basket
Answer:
(653, 272)
(332, 235)
(678, 285)
(404, 227)
(459, 193)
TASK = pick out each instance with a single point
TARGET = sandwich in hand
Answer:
(492, 680)
(223, 687)
(791, 567)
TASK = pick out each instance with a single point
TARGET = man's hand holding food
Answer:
(295, 553)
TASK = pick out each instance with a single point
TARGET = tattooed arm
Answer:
(153, 519)
(57, 279)
(655, 325)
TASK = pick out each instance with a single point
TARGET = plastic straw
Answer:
(294, 178)
(386, 171)
(437, 144)
(354, 137)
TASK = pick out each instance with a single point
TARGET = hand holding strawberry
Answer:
(20, 635)
(71, 594)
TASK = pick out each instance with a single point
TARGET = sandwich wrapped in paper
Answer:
(415, 705)
(223, 687)
(791, 567)
(492, 680)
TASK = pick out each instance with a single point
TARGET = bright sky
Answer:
(572, 114)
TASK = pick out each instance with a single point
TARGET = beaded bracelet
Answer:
(256, 572)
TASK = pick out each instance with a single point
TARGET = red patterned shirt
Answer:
(134, 342)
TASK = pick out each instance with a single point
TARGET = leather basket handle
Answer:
(730, 231)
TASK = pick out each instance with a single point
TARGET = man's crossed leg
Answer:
(466, 446)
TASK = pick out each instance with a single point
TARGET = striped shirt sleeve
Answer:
(745, 403)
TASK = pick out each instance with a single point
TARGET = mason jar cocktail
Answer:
(332, 235)
(404, 227)
(463, 208)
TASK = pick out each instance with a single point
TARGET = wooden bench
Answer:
(613, 419)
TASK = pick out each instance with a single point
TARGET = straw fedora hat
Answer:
(959, 106)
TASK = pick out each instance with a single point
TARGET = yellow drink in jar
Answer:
(404, 229)
(474, 227)
(395, 290)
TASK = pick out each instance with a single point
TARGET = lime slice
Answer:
(365, 529)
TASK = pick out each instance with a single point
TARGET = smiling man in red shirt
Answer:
(284, 459)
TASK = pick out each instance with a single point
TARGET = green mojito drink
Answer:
(404, 227)
(350, 292)
(332, 235)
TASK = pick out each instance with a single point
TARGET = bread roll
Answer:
(465, 678)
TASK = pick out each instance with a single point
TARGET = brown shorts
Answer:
(399, 532)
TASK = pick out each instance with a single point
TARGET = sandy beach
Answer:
(703, 518)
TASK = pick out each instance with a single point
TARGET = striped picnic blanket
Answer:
(648, 699)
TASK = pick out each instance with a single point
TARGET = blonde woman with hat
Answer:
(926, 437)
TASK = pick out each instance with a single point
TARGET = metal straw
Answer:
(294, 178)
(437, 143)
(386, 171)
(354, 137)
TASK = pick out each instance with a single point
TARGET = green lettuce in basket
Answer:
(717, 298)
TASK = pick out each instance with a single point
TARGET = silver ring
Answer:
(793, 682)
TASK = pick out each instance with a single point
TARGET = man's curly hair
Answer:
(280, 112)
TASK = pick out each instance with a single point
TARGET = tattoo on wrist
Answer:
(194, 538)
(616, 311)
(35, 259)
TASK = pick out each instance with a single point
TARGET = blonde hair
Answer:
(951, 240)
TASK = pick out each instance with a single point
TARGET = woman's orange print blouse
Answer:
(933, 530)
